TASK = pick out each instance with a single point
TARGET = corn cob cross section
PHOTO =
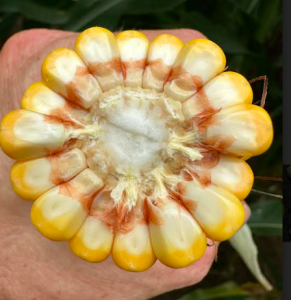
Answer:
(136, 149)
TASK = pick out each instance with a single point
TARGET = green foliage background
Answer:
(250, 33)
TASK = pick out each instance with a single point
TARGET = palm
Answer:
(35, 266)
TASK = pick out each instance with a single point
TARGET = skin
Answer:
(33, 267)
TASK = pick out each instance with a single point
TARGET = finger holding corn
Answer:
(136, 149)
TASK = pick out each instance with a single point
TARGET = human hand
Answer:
(33, 267)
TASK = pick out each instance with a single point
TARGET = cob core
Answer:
(136, 149)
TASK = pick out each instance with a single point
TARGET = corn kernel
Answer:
(224, 90)
(133, 47)
(162, 53)
(60, 212)
(198, 61)
(93, 241)
(25, 134)
(31, 178)
(245, 130)
(132, 249)
(65, 73)
(228, 172)
(39, 98)
(234, 175)
(99, 50)
(219, 213)
(177, 239)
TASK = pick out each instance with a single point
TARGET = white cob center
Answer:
(133, 152)
(133, 130)
(130, 134)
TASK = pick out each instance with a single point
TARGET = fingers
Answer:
(27, 43)
(22, 56)
(21, 59)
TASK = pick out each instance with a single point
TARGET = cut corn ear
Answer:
(136, 149)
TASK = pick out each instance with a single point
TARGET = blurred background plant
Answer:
(250, 33)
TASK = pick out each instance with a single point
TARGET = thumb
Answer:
(21, 59)
(22, 56)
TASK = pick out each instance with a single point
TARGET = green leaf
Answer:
(108, 20)
(81, 6)
(226, 290)
(217, 33)
(252, 6)
(245, 6)
(83, 14)
(151, 6)
(266, 218)
(84, 17)
(6, 24)
(244, 244)
(35, 11)
(267, 18)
